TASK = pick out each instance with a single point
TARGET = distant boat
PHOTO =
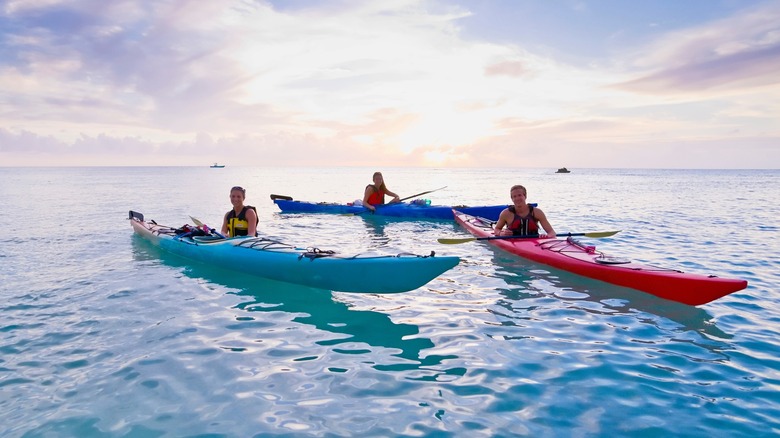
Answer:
(563, 170)
(217, 166)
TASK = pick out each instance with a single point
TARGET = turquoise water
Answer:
(103, 335)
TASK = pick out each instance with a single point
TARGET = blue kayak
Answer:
(411, 210)
(312, 267)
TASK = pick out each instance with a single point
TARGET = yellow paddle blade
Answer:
(456, 241)
(595, 234)
(196, 222)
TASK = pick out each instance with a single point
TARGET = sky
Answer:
(437, 83)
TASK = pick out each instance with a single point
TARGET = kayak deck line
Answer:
(265, 244)
(603, 258)
(615, 262)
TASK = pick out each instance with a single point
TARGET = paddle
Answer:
(471, 239)
(420, 194)
(196, 222)
(201, 224)
(400, 200)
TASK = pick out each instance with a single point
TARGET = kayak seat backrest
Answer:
(189, 231)
(610, 260)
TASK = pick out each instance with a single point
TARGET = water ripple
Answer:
(109, 336)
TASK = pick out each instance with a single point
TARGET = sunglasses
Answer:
(238, 188)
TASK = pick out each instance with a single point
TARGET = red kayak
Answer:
(572, 256)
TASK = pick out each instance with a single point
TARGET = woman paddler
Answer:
(242, 219)
(375, 193)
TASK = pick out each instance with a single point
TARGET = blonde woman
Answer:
(242, 219)
(375, 193)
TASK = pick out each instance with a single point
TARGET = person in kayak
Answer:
(375, 193)
(522, 219)
(242, 219)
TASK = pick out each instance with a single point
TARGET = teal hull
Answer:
(282, 262)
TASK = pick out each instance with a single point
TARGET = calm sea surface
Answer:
(103, 335)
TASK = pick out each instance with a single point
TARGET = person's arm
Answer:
(251, 217)
(502, 221)
(369, 191)
(224, 225)
(540, 216)
(395, 197)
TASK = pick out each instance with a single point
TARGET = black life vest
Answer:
(524, 226)
(237, 225)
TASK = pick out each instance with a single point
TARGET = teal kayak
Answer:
(415, 209)
(324, 269)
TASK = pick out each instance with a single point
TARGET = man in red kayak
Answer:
(522, 219)
(375, 193)
(242, 219)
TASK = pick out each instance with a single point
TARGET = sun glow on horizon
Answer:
(387, 82)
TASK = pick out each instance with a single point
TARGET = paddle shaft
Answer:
(563, 235)
(420, 194)
(595, 234)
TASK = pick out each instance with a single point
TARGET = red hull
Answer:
(569, 255)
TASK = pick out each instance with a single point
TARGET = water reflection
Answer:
(534, 280)
(311, 306)
(375, 229)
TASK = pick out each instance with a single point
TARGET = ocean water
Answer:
(103, 335)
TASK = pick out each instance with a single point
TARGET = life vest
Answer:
(524, 226)
(237, 225)
(376, 198)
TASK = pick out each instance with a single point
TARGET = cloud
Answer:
(507, 68)
(735, 53)
(279, 148)
(358, 83)
(235, 67)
